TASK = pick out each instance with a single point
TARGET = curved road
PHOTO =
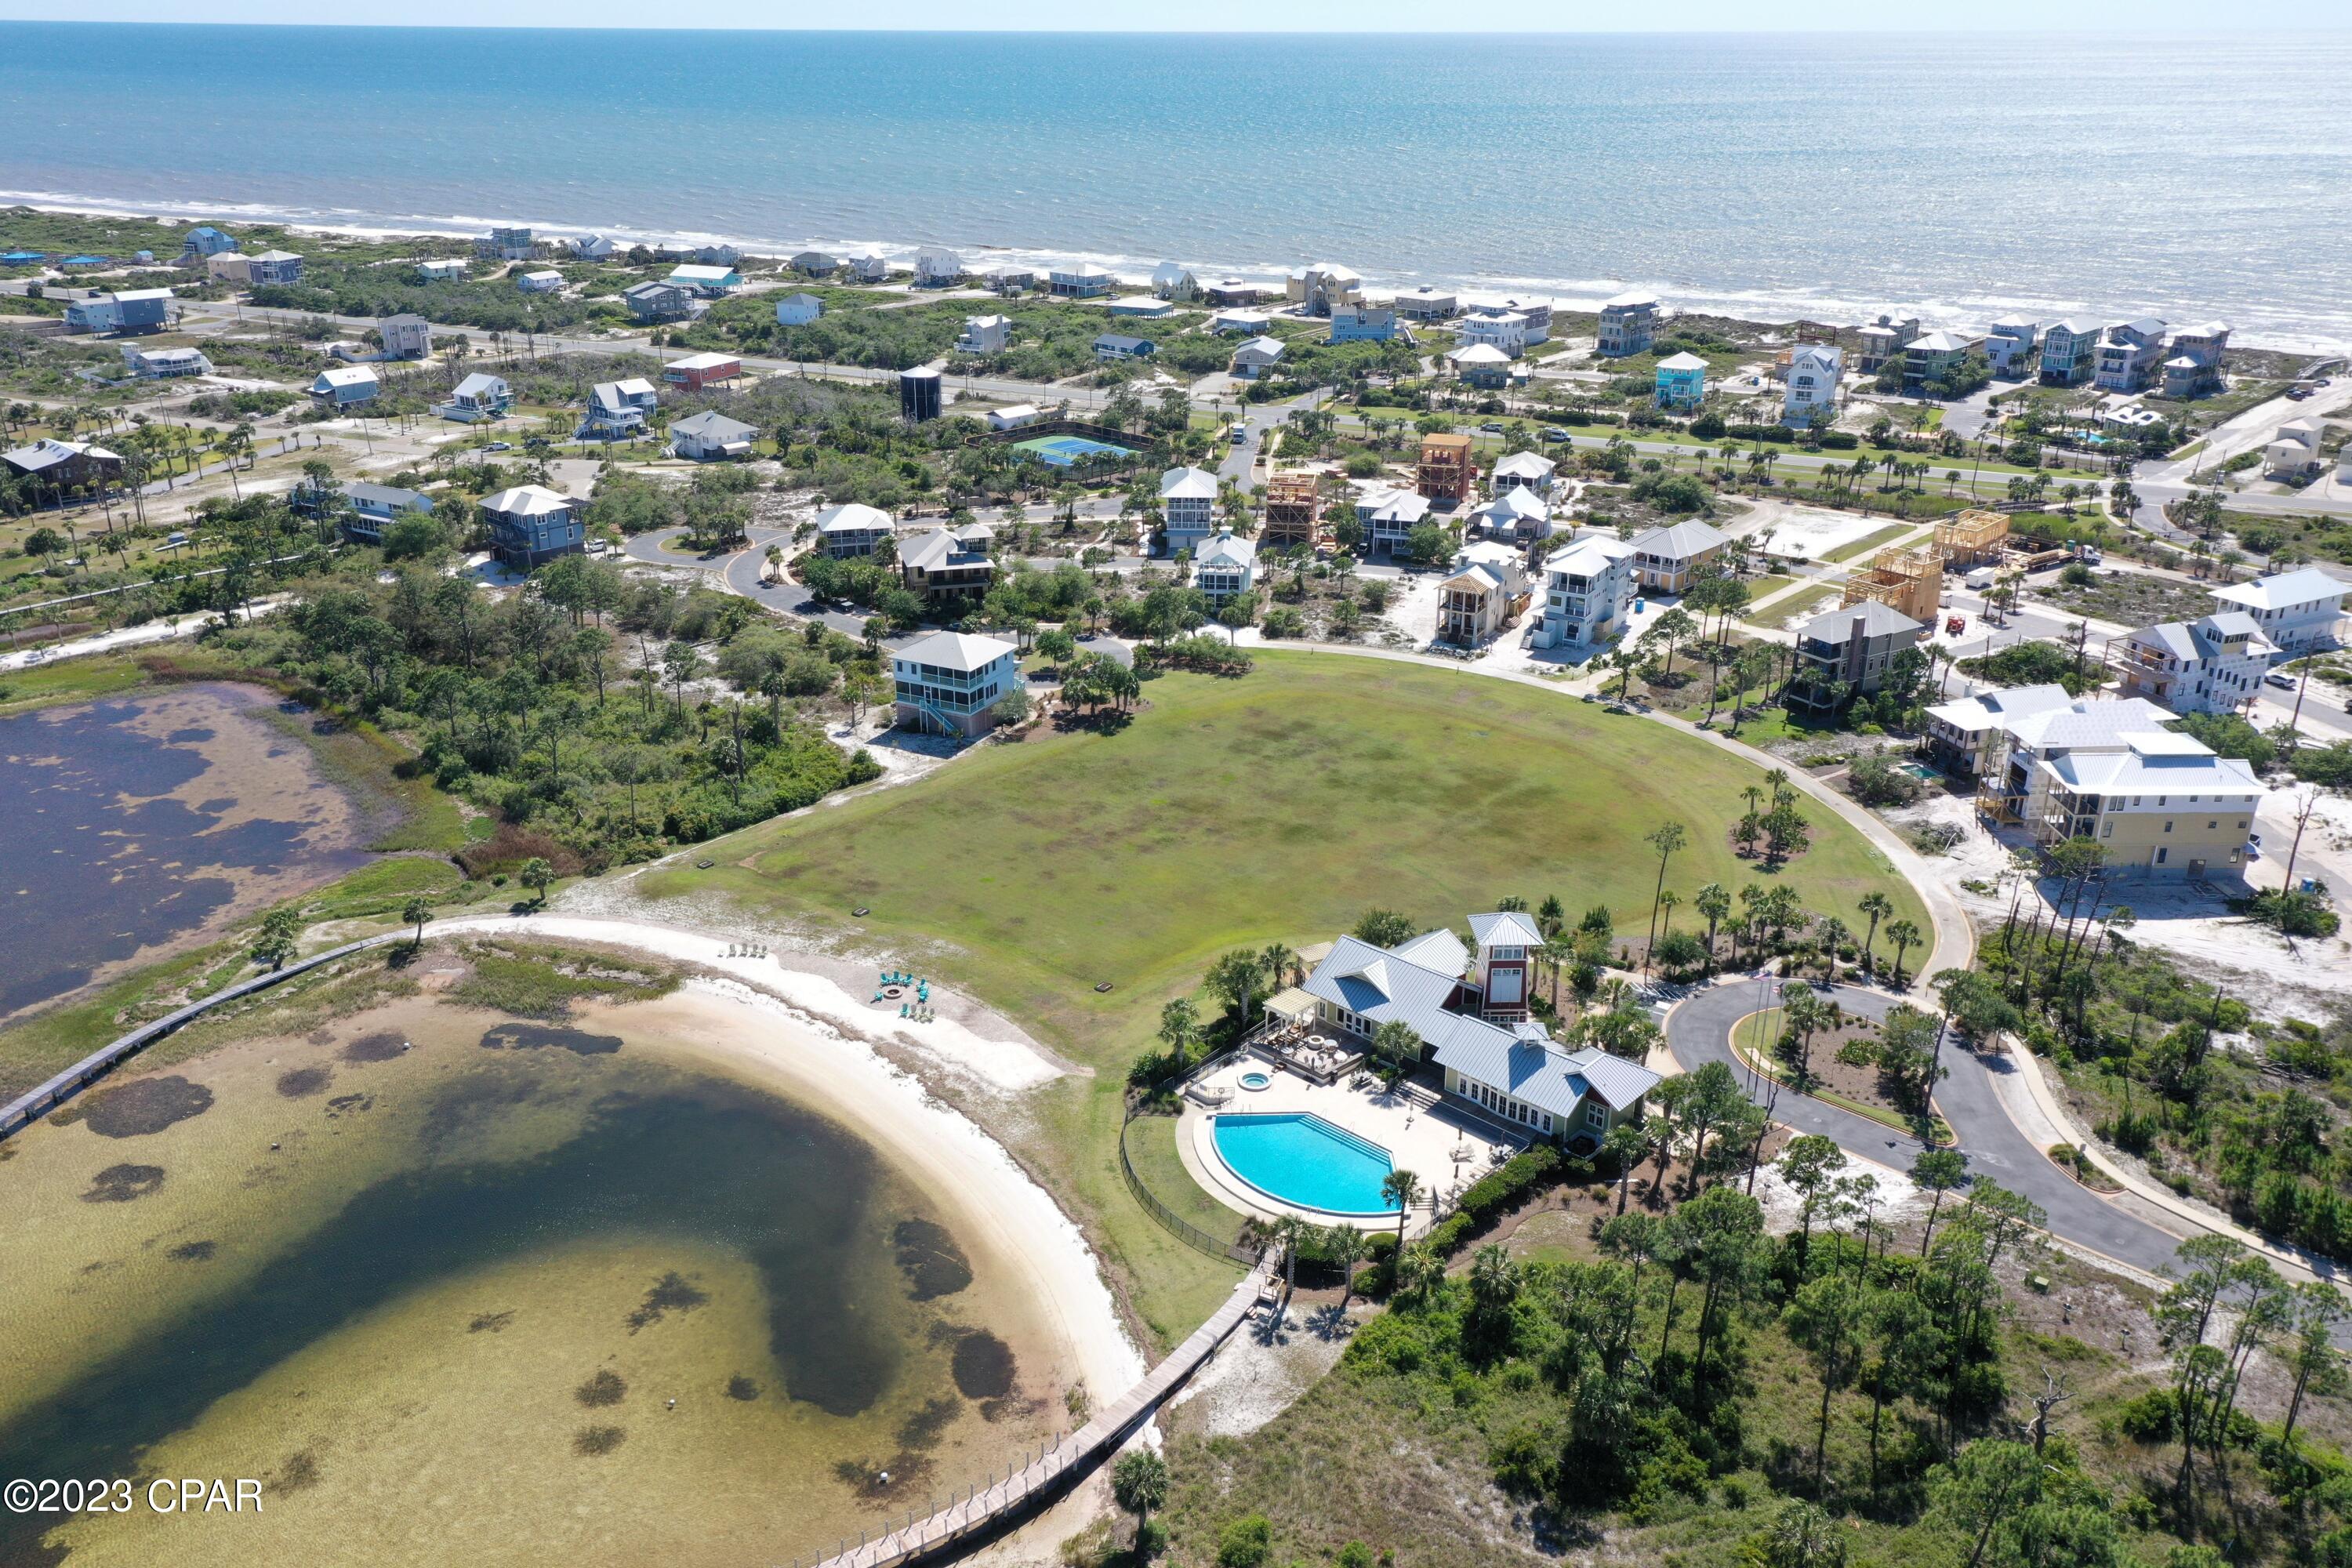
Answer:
(1698, 1030)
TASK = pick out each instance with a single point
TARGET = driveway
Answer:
(1698, 1030)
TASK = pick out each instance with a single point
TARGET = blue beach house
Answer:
(531, 524)
(1682, 382)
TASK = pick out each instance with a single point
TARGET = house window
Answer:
(2161, 855)
(2168, 825)
(1596, 1115)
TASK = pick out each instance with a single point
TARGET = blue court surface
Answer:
(1062, 451)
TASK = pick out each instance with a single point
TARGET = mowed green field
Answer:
(1279, 806)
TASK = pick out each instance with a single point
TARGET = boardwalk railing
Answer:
(45, 1096)
(1006, 1498)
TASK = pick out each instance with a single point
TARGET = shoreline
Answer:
(1757, 307)
(841, 1070)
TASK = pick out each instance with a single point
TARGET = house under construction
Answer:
(1910, 582)
(1445, 473)
(1294, 512)
(1972, 538)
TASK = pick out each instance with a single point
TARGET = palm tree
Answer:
(1281, 962)
(1665, 838)
(1877, 906)
(415, 912)
(1714, 903)
(1831, 933)
(1905, 936)
(1627, 1144)
(1344, 1244)
(1287, 1233)
(1139, 1483)
(1400, 1187)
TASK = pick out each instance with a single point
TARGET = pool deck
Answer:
(1420, 1131)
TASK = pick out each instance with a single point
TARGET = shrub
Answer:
(2150, 1419)
(1495, 1192)
(1245, 1542)
(1398, 1342)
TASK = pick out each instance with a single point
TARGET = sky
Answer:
(1220, 16)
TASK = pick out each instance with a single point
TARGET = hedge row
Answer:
(1490, 1196)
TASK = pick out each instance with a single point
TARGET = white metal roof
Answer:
(1188, 484)
(2304, 585)
(958, 651)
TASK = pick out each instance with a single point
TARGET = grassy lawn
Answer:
(1876, 539)
(1275, 808)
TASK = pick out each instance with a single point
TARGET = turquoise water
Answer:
(1305, 1161)
(1823, 174)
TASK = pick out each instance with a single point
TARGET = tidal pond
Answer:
(137, 821)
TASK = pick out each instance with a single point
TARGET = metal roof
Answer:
(1681, 541)
(852, 517)
(1507, 929)
(2307, 585)
(955, 650)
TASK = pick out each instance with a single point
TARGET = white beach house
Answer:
(1188, 507)
(2297, 610)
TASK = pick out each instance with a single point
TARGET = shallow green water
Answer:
(858, 1279)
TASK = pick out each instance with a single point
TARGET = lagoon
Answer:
(137, 821)
(479, 1289)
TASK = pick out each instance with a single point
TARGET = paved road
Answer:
(1698, 1031)
(739, 573)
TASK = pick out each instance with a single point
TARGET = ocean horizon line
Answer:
(2154, 34)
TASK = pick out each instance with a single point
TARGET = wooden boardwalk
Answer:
(1005, 1498)
(25, 1109)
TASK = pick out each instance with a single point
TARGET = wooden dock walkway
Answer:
(985, 1507)
(30, 1107)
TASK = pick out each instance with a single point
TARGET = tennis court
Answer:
(1062, 451)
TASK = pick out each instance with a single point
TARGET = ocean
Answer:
(1769, 176)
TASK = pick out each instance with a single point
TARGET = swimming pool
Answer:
(1304, 1160)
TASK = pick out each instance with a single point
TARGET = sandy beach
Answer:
(805, 1030)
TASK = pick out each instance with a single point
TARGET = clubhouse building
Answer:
(1469, 1007)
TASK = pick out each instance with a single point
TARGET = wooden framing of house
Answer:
(1972, 538)
(1294, 512)
(1445, 471)
(1910, 582)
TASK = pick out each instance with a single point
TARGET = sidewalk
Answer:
(2034, 1106)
